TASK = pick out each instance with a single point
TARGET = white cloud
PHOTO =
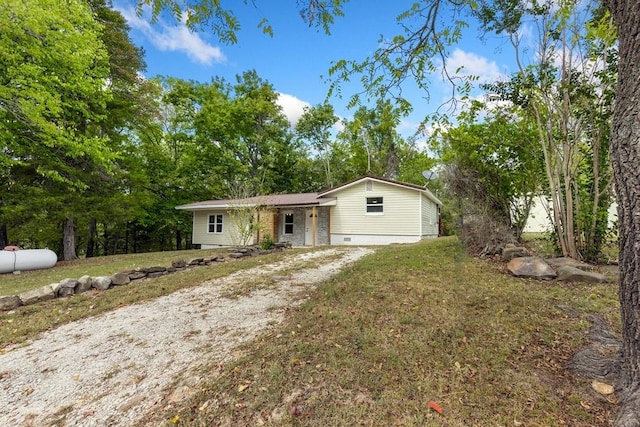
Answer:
(292, 107)
(464, 63)
(176, 38)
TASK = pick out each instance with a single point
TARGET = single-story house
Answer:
(365, 211)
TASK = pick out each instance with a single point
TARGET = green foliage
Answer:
(494, 165)
(53, 100)
(571, 102)
(267, 242)
(315, 127)
(410, 57)
(374, 146)
(52, 76)
(242, 134)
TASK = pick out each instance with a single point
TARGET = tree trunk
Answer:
(69, 239)
(105, 240)
(625, 158)
(4, 237)
(134, 238)
(91, 242)
(178, 239)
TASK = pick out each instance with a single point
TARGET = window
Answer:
(215, 223)
(374, 205)
(288, 223)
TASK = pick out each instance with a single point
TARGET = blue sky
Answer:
(297, 57)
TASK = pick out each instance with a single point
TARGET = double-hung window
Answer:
(215, 223)
(374, 205)
(288, 223)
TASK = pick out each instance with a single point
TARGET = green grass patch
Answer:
(406, 326)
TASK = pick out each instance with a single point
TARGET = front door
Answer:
(308, 227)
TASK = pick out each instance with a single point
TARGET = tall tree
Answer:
(567, 89)
(316, 128)
(374, 141)
(168, 159)
(52, 88)
(625, 156)
(105, 197)
(242, 132)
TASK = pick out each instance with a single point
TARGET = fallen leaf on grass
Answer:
(242, 387)
(435, 407)
(602, 388)
(585, 405)
(294, 411)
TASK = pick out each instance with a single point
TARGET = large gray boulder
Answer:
(36, 295)
(67, 287)
(533, 267)
(84, 284)
(136, 275)
(237, 254)
(180, 263)
(573, 274)
(120, 279)
(55, 287)
(9, 302)
(101, 282)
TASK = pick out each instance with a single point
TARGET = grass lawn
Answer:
(410, 325)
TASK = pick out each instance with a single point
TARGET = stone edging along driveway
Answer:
(112, 369)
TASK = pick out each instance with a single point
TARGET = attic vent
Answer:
(347, 239)
(368, 186)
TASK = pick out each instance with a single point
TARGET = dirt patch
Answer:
(112, 369)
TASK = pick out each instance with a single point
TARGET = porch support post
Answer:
(314, 223)
(329, 225)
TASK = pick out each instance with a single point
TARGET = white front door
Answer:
(308, 227)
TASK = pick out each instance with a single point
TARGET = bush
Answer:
(267, 242)
(483, 235)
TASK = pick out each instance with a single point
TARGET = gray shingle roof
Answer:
(276, 200)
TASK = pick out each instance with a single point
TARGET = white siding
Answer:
(539, 221)
(429, 218)
(201, 235)
(400, 217)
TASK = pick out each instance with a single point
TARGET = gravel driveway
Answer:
(112, 369)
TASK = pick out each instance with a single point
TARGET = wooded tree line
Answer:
(95, 158)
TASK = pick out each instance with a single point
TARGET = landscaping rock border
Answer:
(562, 269)
(69, 287)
